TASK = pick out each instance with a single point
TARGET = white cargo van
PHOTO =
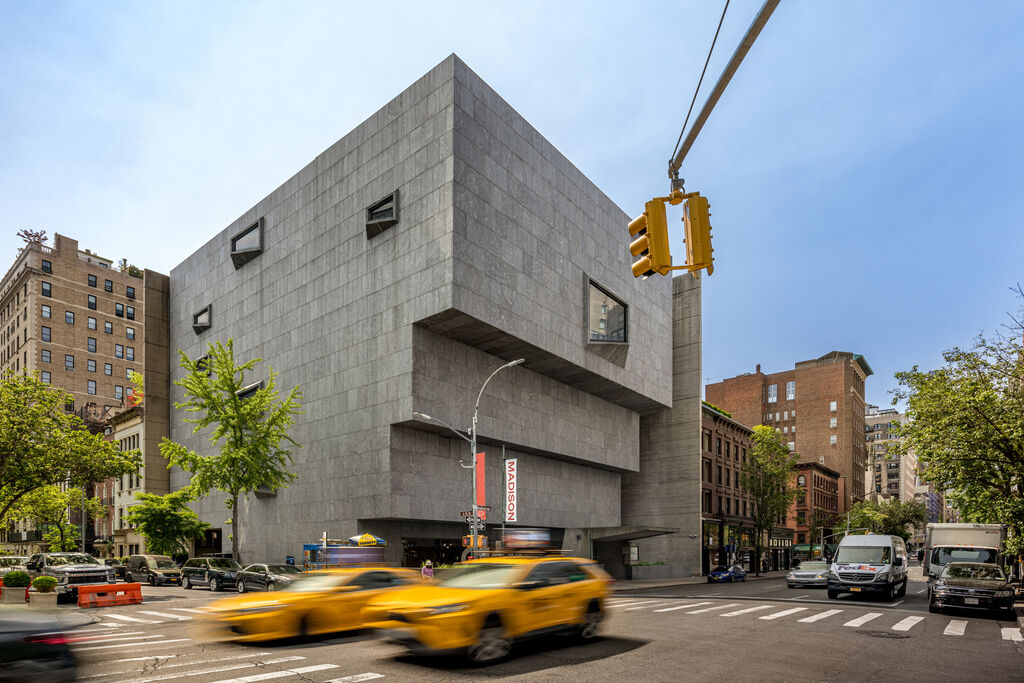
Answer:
(871, 563)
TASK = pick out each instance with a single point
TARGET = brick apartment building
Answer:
(891, 475)
(816, 510)
(83, 325)
(828, 393)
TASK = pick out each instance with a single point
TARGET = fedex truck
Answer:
(946, 543)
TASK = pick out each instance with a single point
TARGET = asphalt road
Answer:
(758, 631)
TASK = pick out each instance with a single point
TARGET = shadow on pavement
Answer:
(529, 656)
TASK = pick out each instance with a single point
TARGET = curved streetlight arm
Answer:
(479, 395)
(428, 418)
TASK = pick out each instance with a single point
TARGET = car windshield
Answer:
(283, 569)
(310, 583)
(942, 556)
(865, 554)
(165, 564)
(811, 566)
(973, 571)
(12, 561)
(58, 560)
(719, 569)
(480, 576)
(218, 563)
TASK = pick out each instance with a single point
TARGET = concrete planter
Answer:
(42, 600)
(12, 596)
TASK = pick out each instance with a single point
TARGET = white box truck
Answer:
(946, 543)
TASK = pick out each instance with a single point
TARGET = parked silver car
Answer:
(10, 563)
(808, 574)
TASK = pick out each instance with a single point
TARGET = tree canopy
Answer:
(888, 517)
(167, 523)
(966, 425)
(249, 428)
(48, 508)
(766, 476)
(42, 444)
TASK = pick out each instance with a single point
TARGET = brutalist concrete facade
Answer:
(497, 240)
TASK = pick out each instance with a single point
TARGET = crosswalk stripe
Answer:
(683, 606)
(1012, 634)
(159, 643)
(712, 609)
(131, 619)
(89, 640)
(745, 611)
(279, 674)
(368, 676)
(784, 613)
(635, 602)
(179, 617)
(860, 621)
(645, 606)
(955, 628)
(818, 617)
(170, 666)
(218, 669)
(187, 609)
(907, 623)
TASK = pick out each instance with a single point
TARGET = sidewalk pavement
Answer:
(639, 584)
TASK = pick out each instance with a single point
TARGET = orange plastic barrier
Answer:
(105, 595)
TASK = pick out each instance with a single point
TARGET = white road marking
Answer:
(187, 609)
(160, 643)
(279, 674)
(369, 676)
(1013, 634)
(818, 617)
(799, 597)
(683, 606)
(170, 666)
(179, 617)
(896, 603)
(215, 670)
(131, 619)
(712, 609)
(922, 590)
(955, 628)
(635, 602)
(907, 624)
(860, 621)
(645, 606)
(70, 632)
(784, 613)
(105, 639)
(745, 611)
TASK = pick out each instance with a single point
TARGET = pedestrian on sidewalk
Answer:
(427, 571)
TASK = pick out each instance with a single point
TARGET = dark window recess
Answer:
(202, 321)
(92, 280)
(92, 302)
(130, 313)
(382, 215)
(108, 285)
(247, 245)
(119, 310)
(129, 292)
(247, 392)
(46, 289)
(203, 365)
(47, 266)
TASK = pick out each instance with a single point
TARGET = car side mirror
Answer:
(898, 562)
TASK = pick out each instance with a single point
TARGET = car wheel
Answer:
(889, 593)
(128, 578)
(491, 644)
(185, 583)
(933, 608)
(152, 581)
(832, 595)
(271, 587)
(214, 584)
(591, 621)
(241, 586)
(709, 579)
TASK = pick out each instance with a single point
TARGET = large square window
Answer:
(607, 316)
(203, 320)
(247, 245)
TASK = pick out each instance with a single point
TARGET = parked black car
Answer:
(266, 577)
(215, 572)
(71, 571)
(33, 649)
(156, 570)
(971, 585)
(120, 569)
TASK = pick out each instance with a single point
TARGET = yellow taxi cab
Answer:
(483, 605)
(325, 601)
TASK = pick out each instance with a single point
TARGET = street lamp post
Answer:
(472, 443)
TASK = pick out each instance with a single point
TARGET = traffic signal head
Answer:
(651, 244)
(697, 219)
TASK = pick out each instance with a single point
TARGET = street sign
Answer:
(485, 508)
(466, 513)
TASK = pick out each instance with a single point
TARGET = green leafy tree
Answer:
(48, 508)
(249, 428)
(167, 523)
(41, 444)
(887, 517)
(766, 476)
(817, 521)
(966, 425)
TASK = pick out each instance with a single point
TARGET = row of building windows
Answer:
(780, 417)
(120, 310)
(726, 506)
(772, 392)
(120, 391)
(108, 286)
(45, 356)
(69, 318)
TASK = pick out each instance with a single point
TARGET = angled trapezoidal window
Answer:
(382, 215)
(203, 320)
(247, 245)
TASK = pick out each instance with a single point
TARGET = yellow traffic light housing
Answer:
(697, 220)
(651, 243)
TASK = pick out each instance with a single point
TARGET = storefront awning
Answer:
(628, 533)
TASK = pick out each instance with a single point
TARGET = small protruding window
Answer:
(381, 215)
(203, 320)
(247, 245)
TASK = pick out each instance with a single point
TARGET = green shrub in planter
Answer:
(16, 579)
(45, 584)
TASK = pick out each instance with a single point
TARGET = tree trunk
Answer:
(236, 512)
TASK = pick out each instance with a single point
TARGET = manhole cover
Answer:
(883, 634)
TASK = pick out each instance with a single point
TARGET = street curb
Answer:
(764, 599)
(624, 585)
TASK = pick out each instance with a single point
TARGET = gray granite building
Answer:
(440, 239)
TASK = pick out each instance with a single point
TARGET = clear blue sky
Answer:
(864, 167)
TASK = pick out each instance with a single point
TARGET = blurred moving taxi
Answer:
(483, 605)
(319, 602)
